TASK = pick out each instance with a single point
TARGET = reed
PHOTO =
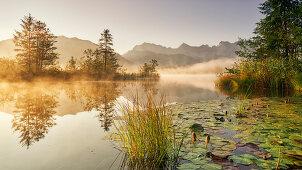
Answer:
(269, 74)
(147, 134)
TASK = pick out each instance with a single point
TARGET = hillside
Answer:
(66, 47)
(183, 55)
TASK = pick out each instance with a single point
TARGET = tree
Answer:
(107, 51)
(34, 45)
(149, 69)
(24, 42)
(89, 62)
(279, 34)
(71, 65)
(45, 49)
(101, 61)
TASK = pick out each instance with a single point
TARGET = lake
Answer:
(65, 125)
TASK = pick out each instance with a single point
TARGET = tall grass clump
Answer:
(273, 75)
(147, 134)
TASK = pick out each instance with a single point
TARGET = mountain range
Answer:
(184, 55)
(66, 47)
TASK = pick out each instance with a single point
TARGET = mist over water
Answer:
(210, 67)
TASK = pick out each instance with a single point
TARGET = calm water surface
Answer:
(56, 125)
(63, 125)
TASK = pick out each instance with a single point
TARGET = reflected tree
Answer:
(34, 116)
(149, 86)
(101, 97)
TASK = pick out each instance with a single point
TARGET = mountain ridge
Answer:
(184, 55)
(66, 47)
(176, 56)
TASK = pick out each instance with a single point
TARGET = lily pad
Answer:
(196, 128)
(188, 166)
(241, 159)
(212, 166)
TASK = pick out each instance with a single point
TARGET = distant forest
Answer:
(36, 58)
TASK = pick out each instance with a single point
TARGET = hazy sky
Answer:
(132, 22)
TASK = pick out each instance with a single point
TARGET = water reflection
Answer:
(100, 97)
(34, 116)
(34, 105)
(150, 86)
(243, 93)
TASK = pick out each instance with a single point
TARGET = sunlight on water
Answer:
(63, 125)
(66, 125)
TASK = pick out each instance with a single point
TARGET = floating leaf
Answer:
(188, 166)
(197, 128)
(211, 166)
(241, 159)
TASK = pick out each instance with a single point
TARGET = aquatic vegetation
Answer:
(254, 141)
(267, 76)
(147, 134)
(196, 128)
(207, 140)
(194, 137)
(271, 59)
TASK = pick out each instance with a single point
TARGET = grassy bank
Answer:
(271, 76)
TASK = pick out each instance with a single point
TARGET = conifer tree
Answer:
(278, 34)
(71, 65)
(25, 43)
(45, 49)
(34, 45)
(107, 51)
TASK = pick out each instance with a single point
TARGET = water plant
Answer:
(207, 140)
(242, 108)
(265, 76)
(147, 134)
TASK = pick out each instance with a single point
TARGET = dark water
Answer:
(55, 125)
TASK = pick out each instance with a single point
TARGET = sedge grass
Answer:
(147, 134)
(271, 76)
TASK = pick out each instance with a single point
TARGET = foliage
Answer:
(248, 140)
(278, 35)
(101, 62)
(71, 65)
(272, 58)
(107, 52)
(275, 74)
(149, 69)
(35, 46)
(9, 70)
(36, 58)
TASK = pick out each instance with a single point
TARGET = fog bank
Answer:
(210, 67)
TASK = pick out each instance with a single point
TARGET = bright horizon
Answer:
(168, 23)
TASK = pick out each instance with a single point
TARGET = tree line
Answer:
(272, 59)
(278, 35)
(37, 57)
